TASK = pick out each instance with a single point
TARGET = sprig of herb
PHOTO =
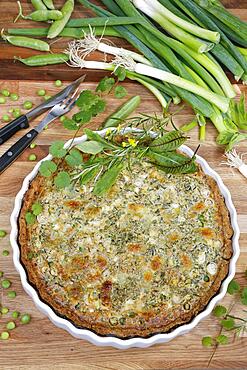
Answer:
(228, 322)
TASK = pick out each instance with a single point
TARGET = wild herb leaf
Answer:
(228, 324)
(74, 158)
(222, 339)
(105, 182)
(47, 168)
(57, 149)
(219, 311)
(244, 296)
(37, 208)
(120, 92)
(233, 287)
(106, 84)
(207, 341)
(70, 124)
(120, 72)
(172, 162)
(96, 137)
(168, 142)
(238, 112)
(30, 218)
(88, 175)
(62, 180)
(90, 147)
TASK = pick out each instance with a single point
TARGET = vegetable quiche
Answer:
(142, 259)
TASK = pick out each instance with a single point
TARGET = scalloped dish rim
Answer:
(111, 340)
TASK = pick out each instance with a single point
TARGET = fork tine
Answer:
(72, 101)
(72, 98)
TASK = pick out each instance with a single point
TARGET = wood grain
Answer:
(43, 346)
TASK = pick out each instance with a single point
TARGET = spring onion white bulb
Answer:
(235, 160)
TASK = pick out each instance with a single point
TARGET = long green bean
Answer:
(99, 21)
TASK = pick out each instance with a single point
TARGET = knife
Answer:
(22, 122)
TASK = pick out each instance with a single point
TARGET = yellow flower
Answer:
(132, 142)
(124, 144)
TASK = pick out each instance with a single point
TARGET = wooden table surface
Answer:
(41, 345)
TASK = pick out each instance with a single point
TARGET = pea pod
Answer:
(123, 112)
(38, 4)
(59, 25)
(40, 15)
(44, 15)
(27, 42)
(49, 4)
(44, 59)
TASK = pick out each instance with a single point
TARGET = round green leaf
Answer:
(219, 311)
(47, 168)
(62, 180)
(57, 149)
(207, 341)
(120, 92)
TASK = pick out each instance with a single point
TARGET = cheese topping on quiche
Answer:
(142, 259)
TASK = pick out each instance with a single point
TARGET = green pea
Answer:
(5, 253)
(11, 110)
(15, 314)
(14, 96)
(6, 118)
(11, 294)
(58, 83)
(2, 233)
(62, 118)
(32, 145)
(10, 325)
(6, 284)
(1, 274)
(47, 97)
(27, 104)
(16, 114)
(4, 310)
(4, 335)
(26, 318)
(41, 92)
(5, 92)
(32, 157)
(2, 100)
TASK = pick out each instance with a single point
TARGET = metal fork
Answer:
(15, 150)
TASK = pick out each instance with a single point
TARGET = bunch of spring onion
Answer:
(179, 60)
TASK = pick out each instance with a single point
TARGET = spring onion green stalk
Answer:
(234, 37)
(123, 112)
(98, 21)
(193, 42)
(188, 126)
(203, 18)
(196, 77)
(134, 37)
(221, 102)
(76, 60)
(234, 23)
(243, 51)
(223, 55)
(66, 32)
(213, 68)
(161, 10)
(159, 96)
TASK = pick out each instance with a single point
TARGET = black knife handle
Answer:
(11, 128)
(15, 150)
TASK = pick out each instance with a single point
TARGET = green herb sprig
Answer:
(228, 322)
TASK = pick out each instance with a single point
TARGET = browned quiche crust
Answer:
(159, 324)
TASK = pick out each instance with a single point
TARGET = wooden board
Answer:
(43, 346)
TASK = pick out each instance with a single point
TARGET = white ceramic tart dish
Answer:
(111, 340)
